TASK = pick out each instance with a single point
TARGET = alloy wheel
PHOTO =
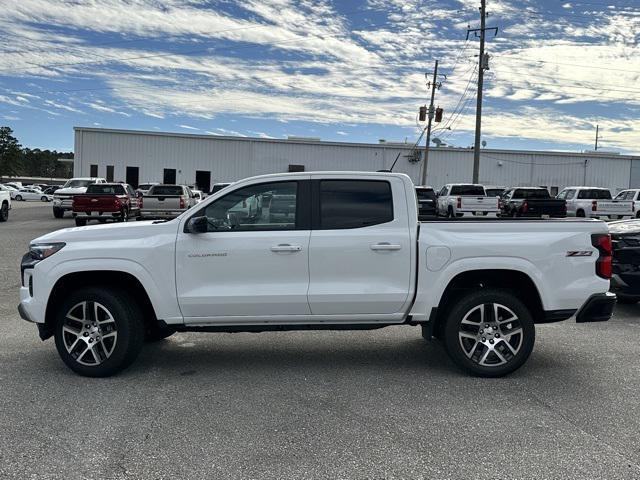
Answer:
(89, 333)
(490, 334)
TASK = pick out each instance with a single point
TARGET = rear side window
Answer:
(166, 190)
(354, 203)
(471, 190)
(103, 189)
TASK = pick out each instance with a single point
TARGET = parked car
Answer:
(625, 280)
(8, 187)
(106, 201)
(531, 202)
(5, 203)
(16, 185)
(63, 197)
(594, 202)
(427, 200)
(351, 254)
(144, 187)
(493, 191)
(632, 195)
(456, 199)
(25, 194)
(166, 201)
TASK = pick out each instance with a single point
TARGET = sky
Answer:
(340, 70)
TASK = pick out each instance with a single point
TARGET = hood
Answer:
(70, 191)
(109, 231)
(624, 227)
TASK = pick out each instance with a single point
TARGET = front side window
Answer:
(571, 194)
(266, 206)
(354, 203)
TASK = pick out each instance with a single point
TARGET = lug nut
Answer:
(497, 335)
(491, 341)
(486, 325)
(85, 334)
(91, 340)
(484, 339)
(481, 331)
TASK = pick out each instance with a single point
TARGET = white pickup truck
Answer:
(5, 203)
(456, 199)
(350, 255)
(595, 203)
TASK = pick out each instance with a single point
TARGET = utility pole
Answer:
(483, 64)
(434, 85)
(597, 129)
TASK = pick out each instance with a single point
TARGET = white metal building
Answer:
(138, 156)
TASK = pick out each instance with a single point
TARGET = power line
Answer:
(509, 58)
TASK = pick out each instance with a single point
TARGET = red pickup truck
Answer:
(106, 201)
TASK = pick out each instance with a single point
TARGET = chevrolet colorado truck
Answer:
(350, 254)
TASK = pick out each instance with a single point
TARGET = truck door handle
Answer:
(385, 246)
(285, 247)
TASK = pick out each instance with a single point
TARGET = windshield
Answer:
(145, 186)
(494, 192)
(166, 190)
(78, 183)
(472, 190)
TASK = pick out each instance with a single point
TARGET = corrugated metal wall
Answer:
(230, 159)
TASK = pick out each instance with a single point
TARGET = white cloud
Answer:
(188, 127)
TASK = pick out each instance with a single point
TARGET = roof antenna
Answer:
(392, 165)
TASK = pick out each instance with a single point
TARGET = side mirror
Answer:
(197, 225)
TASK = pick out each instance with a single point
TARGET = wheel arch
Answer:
(515, 281)
(96, 278)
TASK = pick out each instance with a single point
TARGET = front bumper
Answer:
(598, 308)
(63, 203)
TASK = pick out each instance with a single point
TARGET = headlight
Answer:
(40, 251)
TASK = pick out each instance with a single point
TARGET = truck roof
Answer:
(589, 188)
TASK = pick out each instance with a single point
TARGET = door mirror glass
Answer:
(196, 225)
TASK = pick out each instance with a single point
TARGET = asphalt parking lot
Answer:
(379, 404)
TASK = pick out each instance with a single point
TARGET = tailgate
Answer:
(618, 207)
(94, 202)
(161, 203)
(478, 204)
(546, 207)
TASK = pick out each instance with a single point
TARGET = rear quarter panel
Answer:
(536, 248)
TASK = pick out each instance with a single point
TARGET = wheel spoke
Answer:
(510, 347)
(84, 313)
(511, 333)
(484, 357)
(473, 349)
(500, 356)
(68, 329)
(490, 311)
(468, 335)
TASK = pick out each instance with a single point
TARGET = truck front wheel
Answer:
(489, 333)
(58, 212)
(99, 331)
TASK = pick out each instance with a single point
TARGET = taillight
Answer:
(140, 202)
(181, 202)
(525, 206)
(459, 202)
(594, 206)
(602, 241)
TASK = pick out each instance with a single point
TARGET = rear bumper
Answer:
(160, 214)
(96, 215)
(598, 308)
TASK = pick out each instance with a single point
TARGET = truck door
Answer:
(360, 251)
(251, 262)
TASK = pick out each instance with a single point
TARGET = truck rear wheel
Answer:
(80, 222)
(489, 333)
(580, 213)
(58, 212)
(99, 331)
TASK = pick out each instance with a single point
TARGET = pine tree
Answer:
(10, 153)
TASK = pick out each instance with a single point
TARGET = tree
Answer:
(10, 153)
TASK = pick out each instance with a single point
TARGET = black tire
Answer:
(126, 321)
(580, 213)
(638, 214)
(18, 198)
(4, 212)
(80, 222)
(44, 199)
(477, 362)
(58, 212)
(124, 215)
(156, 333)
